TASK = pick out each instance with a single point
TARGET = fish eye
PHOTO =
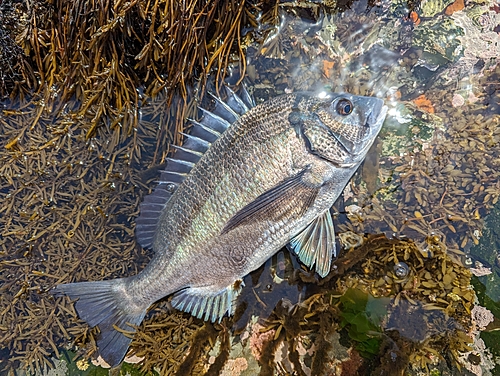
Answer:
(344, 107)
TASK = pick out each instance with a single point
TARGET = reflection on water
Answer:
(268, 286)
(397, 301)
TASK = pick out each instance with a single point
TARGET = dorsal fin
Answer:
(223, 110)
(214, 122)
(187, 154)
(242, 104)
(200, 130)
(203, 133)
(195, 143)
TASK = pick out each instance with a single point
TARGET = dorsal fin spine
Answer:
(238, 104)
(223, 110)
(194, 141)
(203, 133)
(213, 121)
(205, 128)
(196, 152)
(180, 161)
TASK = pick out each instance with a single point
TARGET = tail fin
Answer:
(105, 304)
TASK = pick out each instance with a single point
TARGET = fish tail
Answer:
(106, 304)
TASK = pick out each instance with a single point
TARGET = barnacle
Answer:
(401, 270)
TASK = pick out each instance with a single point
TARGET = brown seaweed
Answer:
(93, 107)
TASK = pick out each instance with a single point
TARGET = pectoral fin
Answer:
(315, 245)
(290, 197)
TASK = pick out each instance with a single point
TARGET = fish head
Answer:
(340, 127)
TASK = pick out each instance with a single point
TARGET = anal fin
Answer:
(204, 302)
(315, 245)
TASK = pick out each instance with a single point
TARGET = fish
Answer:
(247, 181)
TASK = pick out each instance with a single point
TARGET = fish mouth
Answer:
(373, 116)
(374, 121)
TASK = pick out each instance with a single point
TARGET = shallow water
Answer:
(426, 201)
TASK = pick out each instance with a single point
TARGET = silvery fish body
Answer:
(246, 182)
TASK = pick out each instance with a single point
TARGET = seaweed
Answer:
(16, 74)
(97, 91)
(362, 327)
(392, 319)
(108, 56)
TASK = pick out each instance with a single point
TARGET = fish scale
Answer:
(206, 176)
(242, 186)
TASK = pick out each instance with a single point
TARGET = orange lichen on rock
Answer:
(327, 66)
(424, 104)
(454, 7)
(415, 18)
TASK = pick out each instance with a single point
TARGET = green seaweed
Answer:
(362, 315)
(492, 342)
(435, 372)
(483, 296)
(486, 252)
(490, 338)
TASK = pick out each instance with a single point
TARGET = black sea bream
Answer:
(247, 181)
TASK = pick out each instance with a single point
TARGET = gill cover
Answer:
(339, 127)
